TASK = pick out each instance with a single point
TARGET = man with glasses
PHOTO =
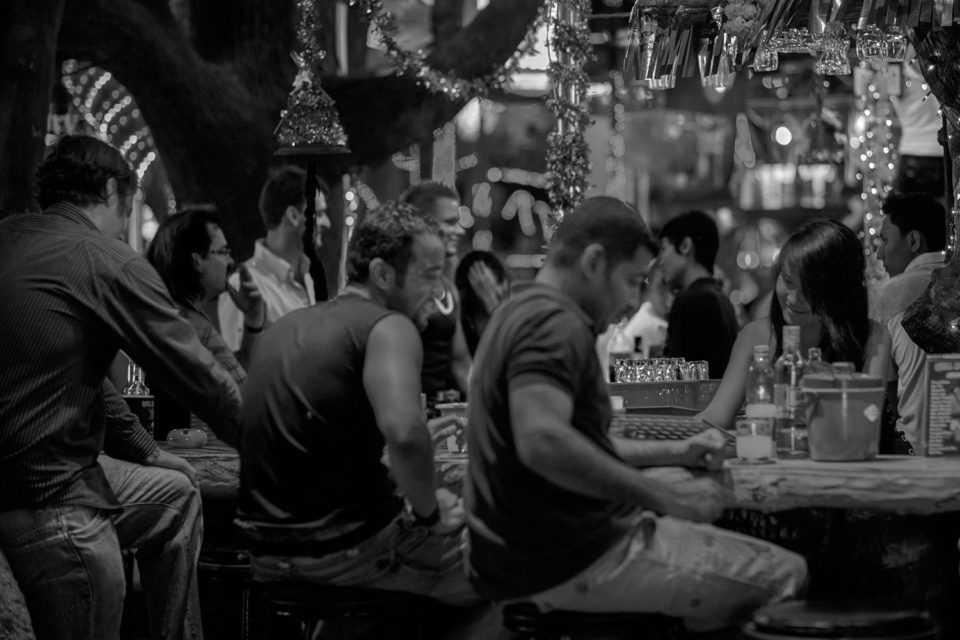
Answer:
(73, 296)
(190, 253)
(279, 268)
(329, 387)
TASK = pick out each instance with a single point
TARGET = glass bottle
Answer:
(138, 396)
(789, 423)
(759, 390)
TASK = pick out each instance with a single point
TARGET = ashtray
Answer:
(187, 438)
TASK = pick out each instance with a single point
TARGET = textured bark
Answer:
(28, 37)
(212, 96)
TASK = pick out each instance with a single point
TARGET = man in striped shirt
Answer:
(73, 295)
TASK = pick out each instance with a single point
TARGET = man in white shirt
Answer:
(279, 267)
(912, 238)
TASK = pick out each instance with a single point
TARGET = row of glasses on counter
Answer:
(660, 370)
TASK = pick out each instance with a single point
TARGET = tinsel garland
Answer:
(414, 63)
(568, 165)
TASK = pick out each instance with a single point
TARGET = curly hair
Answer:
(178, 237)
(387, 233)
(76, 170)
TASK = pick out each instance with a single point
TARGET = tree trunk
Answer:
(212, 102)
(28, 39)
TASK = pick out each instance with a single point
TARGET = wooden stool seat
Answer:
(526, 620)
(861, 620)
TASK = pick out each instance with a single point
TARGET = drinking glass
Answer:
(755, 440)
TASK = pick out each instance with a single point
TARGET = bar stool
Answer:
(526, 621)
(225, 579)
(860, 620)
(301, 610)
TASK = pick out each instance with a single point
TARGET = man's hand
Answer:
(699, 500)
(248, 299)
(445, 426)
(452, 513)
(168, 460)
(484, 283)
(706, 450)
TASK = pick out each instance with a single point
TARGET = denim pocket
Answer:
(23, 528)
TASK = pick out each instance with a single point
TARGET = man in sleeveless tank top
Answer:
(328, 388)
(446, 357)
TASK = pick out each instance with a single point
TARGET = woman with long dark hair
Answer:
(820, 288)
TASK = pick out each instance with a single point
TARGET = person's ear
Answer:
(593, 260)
(292, 215)
(382, 275)
(112, 189)
(915, 241)
(196, 259)
(686, 247)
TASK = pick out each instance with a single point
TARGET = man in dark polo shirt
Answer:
(329, 386)
(702, 324)
(73, 294)
(557, 512)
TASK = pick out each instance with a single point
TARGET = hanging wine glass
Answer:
(872, 46)
(896, 44)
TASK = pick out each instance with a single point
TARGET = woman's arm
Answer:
(729, 397)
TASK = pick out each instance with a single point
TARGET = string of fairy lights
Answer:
(110, 112)
(874, 141)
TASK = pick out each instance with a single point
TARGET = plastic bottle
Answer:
(759, 390)
(620, 347)
(789, 423)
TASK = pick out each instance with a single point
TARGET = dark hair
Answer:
(918, 212)
(828, 260)
(286, 187)
(613, 224)
(424, 195)
(170, 252)
(76, 170)
(473, 312)
(702, 231)
(387, 233)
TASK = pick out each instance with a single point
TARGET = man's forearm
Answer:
(571, 461)
(412, 466)
(642, 453)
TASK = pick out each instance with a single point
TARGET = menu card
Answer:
(940, 420)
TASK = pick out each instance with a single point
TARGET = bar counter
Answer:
(891, 484)
(884, 529)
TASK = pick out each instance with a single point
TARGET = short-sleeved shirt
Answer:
(702, 326)
(311, 468)
(527, 534)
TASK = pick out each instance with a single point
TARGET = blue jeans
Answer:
(67, 558)
(401, 557)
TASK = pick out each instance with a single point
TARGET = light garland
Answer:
(414, 63)
(877, 156)
(568, 164)
(616, 169)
